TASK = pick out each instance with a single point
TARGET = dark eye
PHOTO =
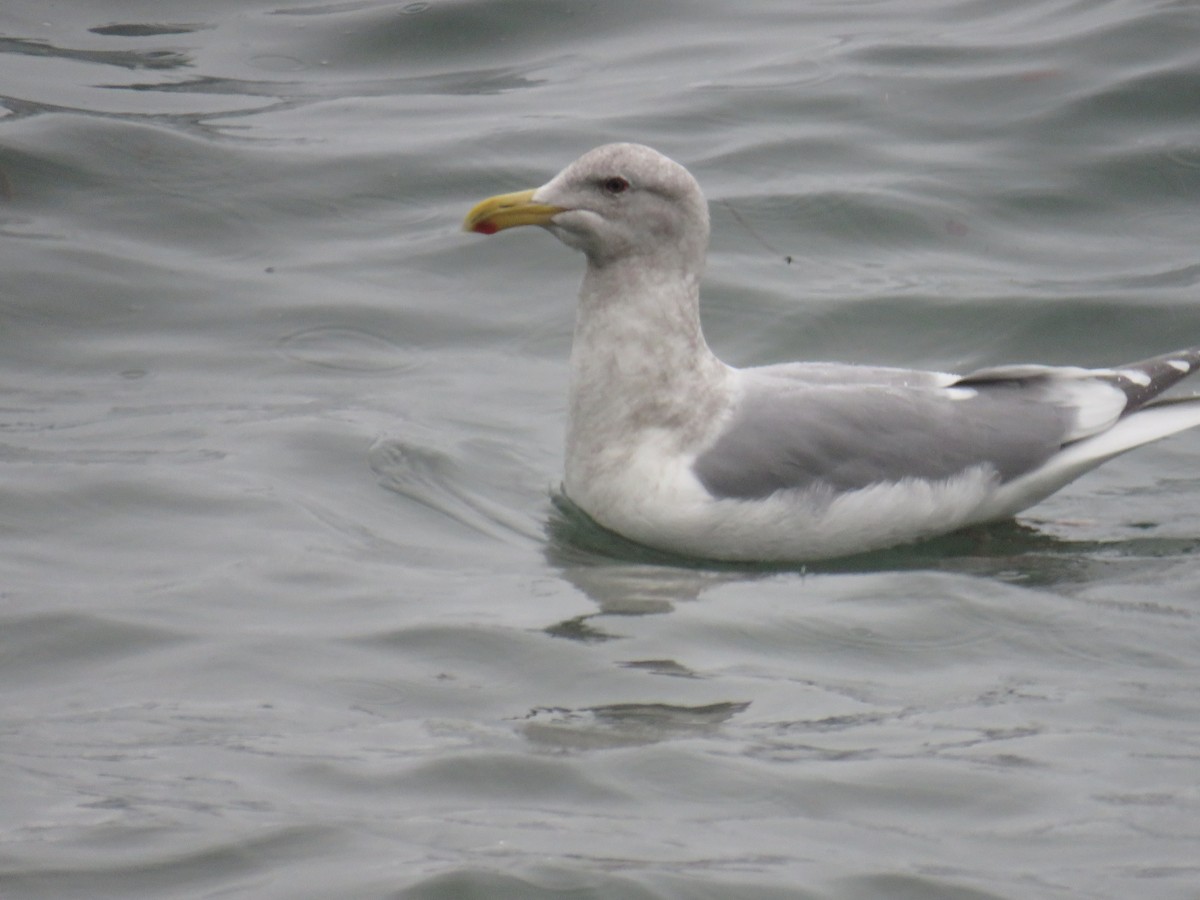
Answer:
(616, 185)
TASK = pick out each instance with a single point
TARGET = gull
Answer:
(670, 447)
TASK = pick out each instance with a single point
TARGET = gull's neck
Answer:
(640, 367)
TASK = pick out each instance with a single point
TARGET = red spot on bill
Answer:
(485, 227)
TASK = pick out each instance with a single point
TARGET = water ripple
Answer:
(347, 349)
(434, 478)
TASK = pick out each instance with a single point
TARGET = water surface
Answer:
(288, 607)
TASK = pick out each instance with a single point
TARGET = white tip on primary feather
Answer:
(1136, 376)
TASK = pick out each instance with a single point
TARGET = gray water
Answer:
(288, 608)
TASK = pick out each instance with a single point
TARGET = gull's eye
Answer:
(615, 185)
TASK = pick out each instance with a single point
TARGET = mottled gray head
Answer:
(614, 202)
(625, 199)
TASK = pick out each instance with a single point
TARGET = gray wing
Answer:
(847, 438)
(792, 431)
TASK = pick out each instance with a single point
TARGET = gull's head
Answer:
(614, 202)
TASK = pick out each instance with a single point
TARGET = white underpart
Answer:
(658, 502)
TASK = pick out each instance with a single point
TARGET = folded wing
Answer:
(798, 427)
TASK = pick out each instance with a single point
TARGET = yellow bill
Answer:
(508, 211)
